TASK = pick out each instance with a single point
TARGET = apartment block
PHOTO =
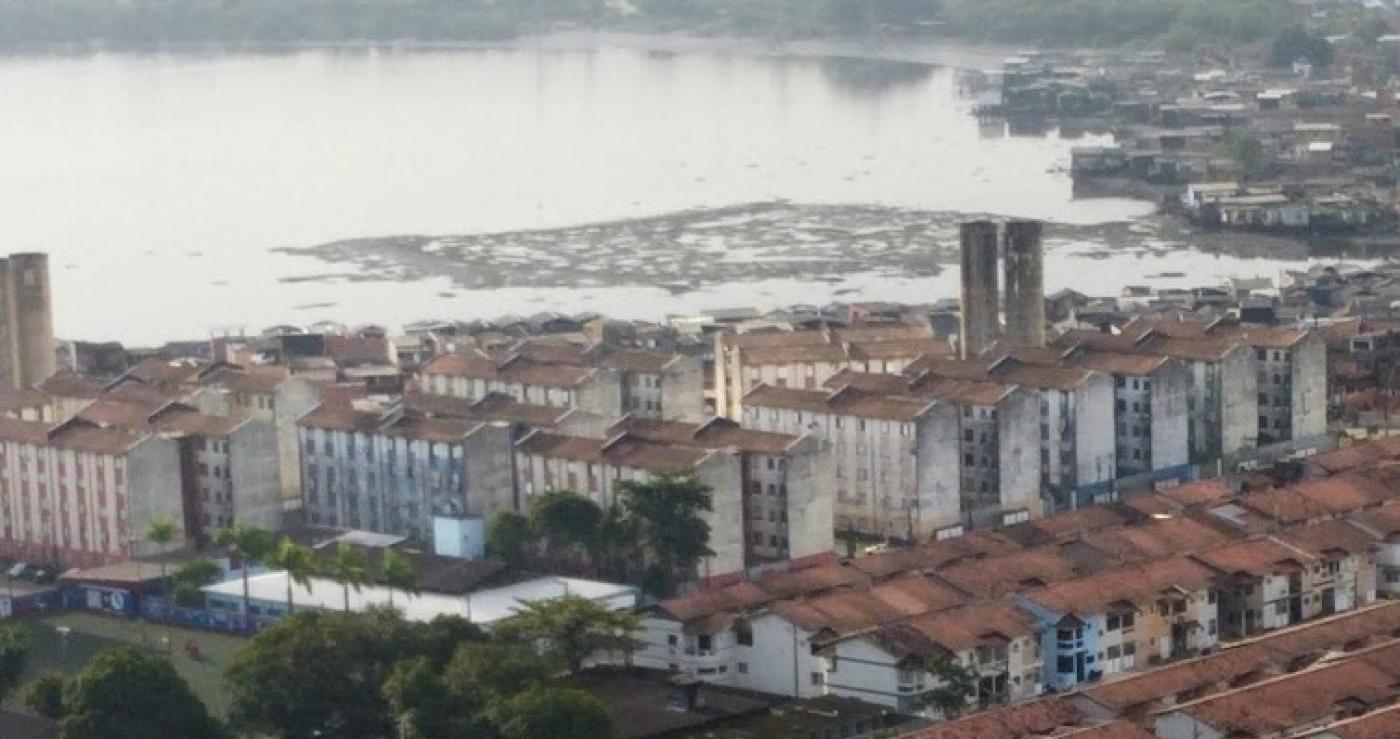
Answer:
(1222, 406)
(228, 470)
(893, 454)
(75, 495)
(788, 483)
(651, 383)
(808, 359)
(392, 471)
(1290, 368)
(474, 374)
(1077, 451)
(596, 468)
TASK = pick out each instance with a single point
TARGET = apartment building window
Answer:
(1122, 621)
(743, 633)
(818, 678)
(1064, 665)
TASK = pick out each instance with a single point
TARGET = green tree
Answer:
(1246, 151)
(44, 696)
(554, 712)
(347, 567)
(126, 693)
(616, 544)
(567, 521)
(14, 655)
(425, 706)
(670, 526)
(247, 544)
(1295, 43)
(161, 532)
(497, 669)
(956, 684)
(397, 573)
(571, 629)
(299, 563)
(320, 674)
(510, 539)
(189, 579)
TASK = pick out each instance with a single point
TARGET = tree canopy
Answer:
(14, 655)
(126, 693)
(670, 525)
(321, 673)
(571, 629)
(554, 712)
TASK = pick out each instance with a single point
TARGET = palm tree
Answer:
(299, 563)
(247, 543)
(161, 532)
(396, 571)
(348, 568)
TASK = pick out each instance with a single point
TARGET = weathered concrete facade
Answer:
(981, 304)
(81, 496)
(391, 473)
(546, 461)
(1025, 283)
(27, 349)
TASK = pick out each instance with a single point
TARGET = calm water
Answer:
(159, 183)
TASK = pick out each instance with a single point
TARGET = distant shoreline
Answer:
(921, 50)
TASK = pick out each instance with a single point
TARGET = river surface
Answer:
(182, 194)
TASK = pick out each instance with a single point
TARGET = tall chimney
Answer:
(1025, 283)
(981, 321)
(34, 318)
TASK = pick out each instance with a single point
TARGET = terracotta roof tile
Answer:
(847, 402)
(1255, 557)
(1135, 584)
(1013, 572)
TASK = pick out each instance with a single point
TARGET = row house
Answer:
(776, 635)
(596, 468)
(1114, 621)
(807, 359)
(474, 374)
(1140, 695)
(1273, 581)
(788, 483)
(229, 468)
(75, 495)
(393, 471)
(997, 642)
(1304, 703)
(1383, 524)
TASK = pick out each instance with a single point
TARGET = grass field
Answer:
(91, 633)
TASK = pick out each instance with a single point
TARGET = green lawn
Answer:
(92, 633)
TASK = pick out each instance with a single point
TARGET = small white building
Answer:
(267, 596)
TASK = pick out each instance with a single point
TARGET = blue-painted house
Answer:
(1122, 619)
